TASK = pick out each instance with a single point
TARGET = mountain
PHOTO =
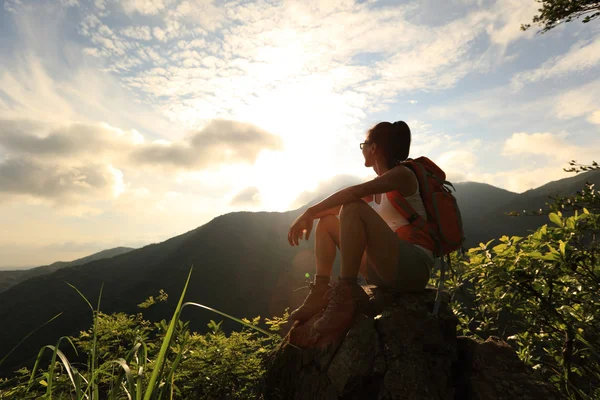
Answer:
(10, 278)
(492, 224)
(243, 265)
(477, 199)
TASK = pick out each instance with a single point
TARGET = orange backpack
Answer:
(442, 233)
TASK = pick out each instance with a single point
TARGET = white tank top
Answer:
(394, 219)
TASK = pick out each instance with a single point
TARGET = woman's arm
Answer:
(335, 210)
(395, 179)
(401, 179)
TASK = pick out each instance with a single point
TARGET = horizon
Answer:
(126, 123)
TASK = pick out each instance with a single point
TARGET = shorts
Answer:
(414, 268)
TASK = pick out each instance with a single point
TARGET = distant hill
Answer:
(492, 224)
(475, 200)
(243, 266)
(10, 278)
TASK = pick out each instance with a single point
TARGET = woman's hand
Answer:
(304, 223)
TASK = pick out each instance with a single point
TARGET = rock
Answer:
(399, 350)
(492, 370)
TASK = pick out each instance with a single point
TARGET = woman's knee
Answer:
(352, 207)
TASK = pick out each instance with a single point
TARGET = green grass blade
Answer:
(126, 391)
(169, 378)
(78, 391)
(160, 360)
(269, 334)
(91, 384)
(30, 333)
(95, 390)
(117, 380)
(65, 361)
(141, 369)
(128, 376)
(232, 318)
(67, 366)
(36, 365)
(82, 296)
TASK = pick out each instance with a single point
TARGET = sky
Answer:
(124, 123)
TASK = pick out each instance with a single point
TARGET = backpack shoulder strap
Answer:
(404, 208)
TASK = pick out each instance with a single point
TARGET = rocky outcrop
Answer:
(399, 351)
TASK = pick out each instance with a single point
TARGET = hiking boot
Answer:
(314, 302)
(345, 298)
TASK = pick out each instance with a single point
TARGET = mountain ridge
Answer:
(12, 277)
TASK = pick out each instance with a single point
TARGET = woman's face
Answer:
(368, 152)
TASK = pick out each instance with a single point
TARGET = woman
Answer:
(363, 232)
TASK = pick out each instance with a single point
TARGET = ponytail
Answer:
(394, 139)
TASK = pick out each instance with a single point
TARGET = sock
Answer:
(322, 279)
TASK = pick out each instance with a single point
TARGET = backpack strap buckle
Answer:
(413, 217)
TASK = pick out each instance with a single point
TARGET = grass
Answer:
(125, 381)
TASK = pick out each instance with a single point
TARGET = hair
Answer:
(393, 140)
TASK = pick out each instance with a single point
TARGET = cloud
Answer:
(145, 7)
(137, 32)
(509, 15)
(594, 118)
(49, 78)
(248, 196)
(457, 164)
(219, 142)
(519, 180)
(65, 142)
(583, 55)
(521, 152)
(556, 146)
(254, 63)
(56, 164)
(201, 13)
(18, 176)
(583, 101)
(70, 3)
(12, 5)
(159, 34)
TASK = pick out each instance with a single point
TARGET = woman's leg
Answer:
(327, 238)
(362, 229)
(327, 241)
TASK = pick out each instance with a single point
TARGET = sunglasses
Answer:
(363, 144)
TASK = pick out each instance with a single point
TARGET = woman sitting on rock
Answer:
(399, 259)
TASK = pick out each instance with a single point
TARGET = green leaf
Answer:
(500, 248)
(534, 254)
(556, 219)
(550, 257)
